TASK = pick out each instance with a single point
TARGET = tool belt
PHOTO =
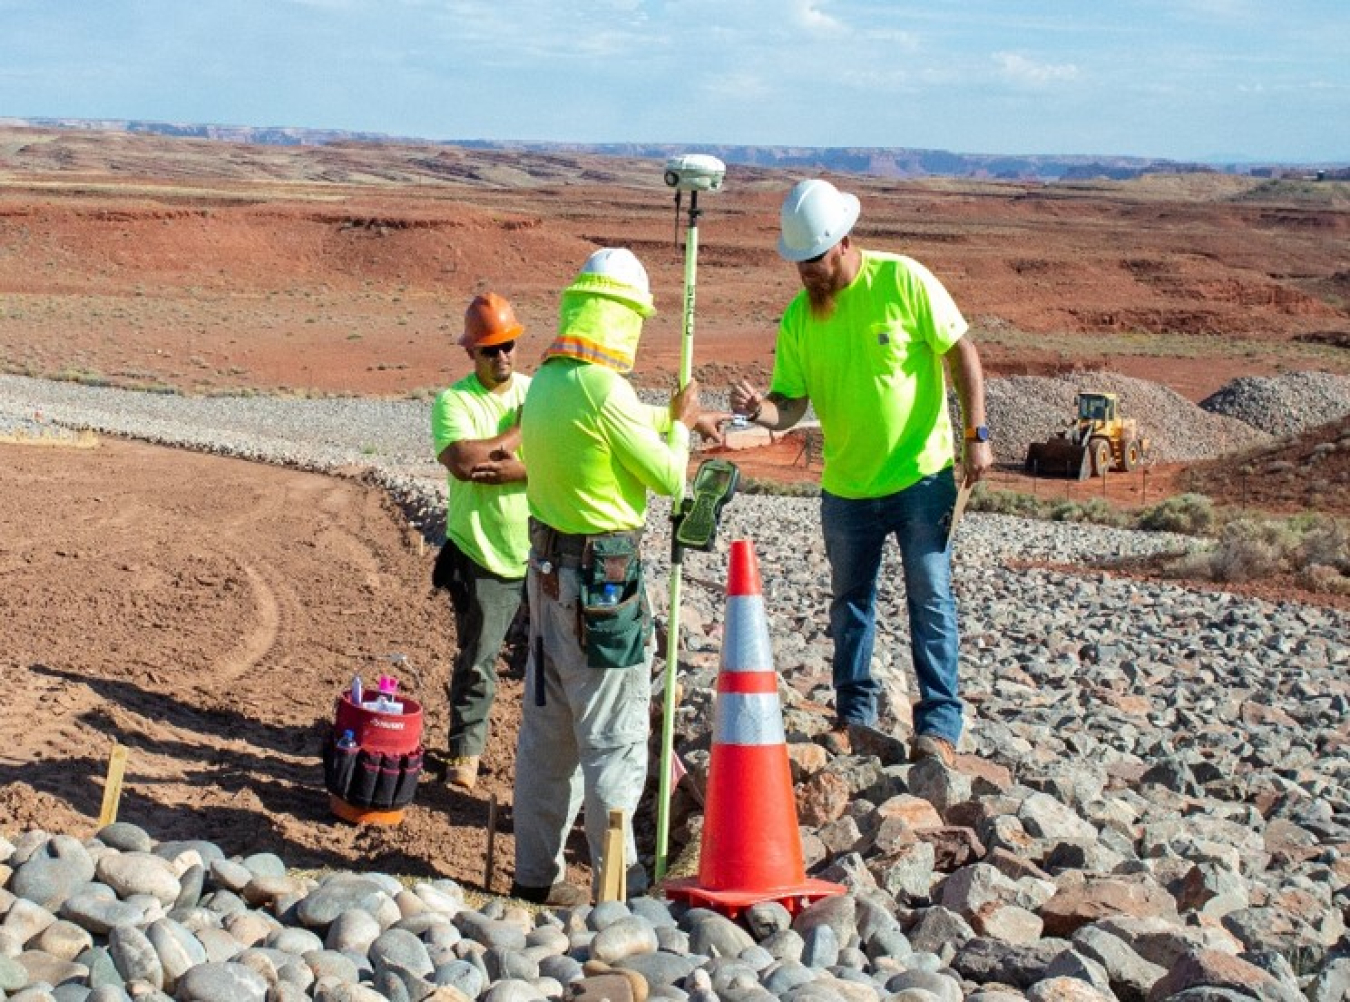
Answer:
(614, 618)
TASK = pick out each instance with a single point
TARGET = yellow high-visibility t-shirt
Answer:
(489, 522)
(595, 449)
(873, 373)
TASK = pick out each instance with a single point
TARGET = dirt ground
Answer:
(204, 612)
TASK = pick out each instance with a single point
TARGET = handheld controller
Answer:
(714, 485)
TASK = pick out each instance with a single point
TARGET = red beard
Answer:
(822, 302)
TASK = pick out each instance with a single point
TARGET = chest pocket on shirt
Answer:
(891, 348)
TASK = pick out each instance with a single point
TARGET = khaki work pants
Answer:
(585, 746)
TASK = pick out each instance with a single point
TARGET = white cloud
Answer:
(810, 15)
(1019, 69)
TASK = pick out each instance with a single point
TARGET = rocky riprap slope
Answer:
(1153, 798)
(1153, 802)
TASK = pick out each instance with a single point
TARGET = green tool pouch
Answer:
(616, 621)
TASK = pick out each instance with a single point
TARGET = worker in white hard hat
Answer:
(475, 426)
(595, 451)
(864, 343)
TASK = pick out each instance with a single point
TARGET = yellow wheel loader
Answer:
(1098, 440)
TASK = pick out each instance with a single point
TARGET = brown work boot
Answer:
(836, 740)
(462, 772)
(931, 746)
(560, 895)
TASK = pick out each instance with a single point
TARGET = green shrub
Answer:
(996, 502)
(1321, 578)
(1313, 548)
(1326, 543)
(1094, 510)
(1192, 514)
(1250, 549)
(1191, 564)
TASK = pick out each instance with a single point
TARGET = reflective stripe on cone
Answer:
(745, 644)
(748, 719)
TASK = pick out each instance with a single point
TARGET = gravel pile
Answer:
(393, 436)
(1152, 801)
(1287, 404)
(1026, 409)
(310, 434)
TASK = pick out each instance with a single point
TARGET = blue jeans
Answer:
(855, 533)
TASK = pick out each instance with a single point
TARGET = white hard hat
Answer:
(616, 272)
(816, 216)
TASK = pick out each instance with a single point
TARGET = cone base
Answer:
(733, 903)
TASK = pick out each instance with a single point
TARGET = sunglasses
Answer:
(492, 351)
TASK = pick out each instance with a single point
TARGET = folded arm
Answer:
(485, 460)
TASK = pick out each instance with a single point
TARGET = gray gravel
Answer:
(1156, 803)
(1287, 404)
(391, 437)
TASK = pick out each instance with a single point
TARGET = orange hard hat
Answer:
(489, 320)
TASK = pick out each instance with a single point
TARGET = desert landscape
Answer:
(206, 267)
(165, 591)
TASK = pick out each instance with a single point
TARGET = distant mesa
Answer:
(898, 162)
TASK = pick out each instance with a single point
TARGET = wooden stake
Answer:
(112, 785)
(613, 868)
(492, 843)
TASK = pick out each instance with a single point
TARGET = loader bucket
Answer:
(1059, 457)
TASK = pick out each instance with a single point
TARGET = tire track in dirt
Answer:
(260, 637)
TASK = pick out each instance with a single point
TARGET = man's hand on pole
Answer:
(684, 408)
(684, 404)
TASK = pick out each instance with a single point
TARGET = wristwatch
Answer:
(977, 434)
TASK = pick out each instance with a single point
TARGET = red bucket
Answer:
(388, 733)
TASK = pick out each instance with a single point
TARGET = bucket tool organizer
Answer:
(372, 760)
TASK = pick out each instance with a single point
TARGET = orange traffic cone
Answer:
(751, 849)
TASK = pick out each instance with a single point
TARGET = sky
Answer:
(1223, 80)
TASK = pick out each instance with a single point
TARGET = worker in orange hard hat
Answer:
(476, 429)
